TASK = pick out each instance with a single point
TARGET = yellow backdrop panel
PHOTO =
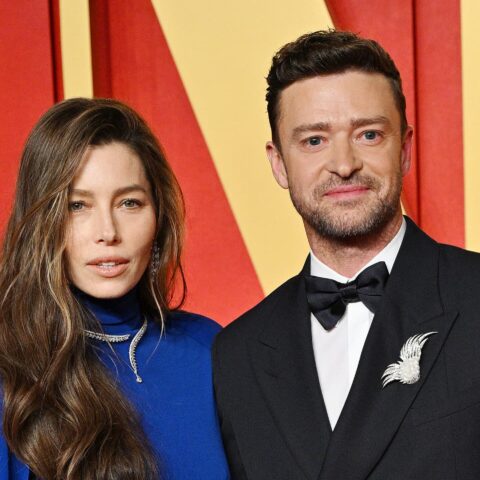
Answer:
(470, 15)
(76, 50)
(223, 51)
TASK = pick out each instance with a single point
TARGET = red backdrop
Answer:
(132, 62)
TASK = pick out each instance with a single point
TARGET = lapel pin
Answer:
(407, 369)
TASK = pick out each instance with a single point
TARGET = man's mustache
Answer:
(362, 181)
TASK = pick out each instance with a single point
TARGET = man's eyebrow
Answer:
(364, 122)
(310, 127)
(119, 191)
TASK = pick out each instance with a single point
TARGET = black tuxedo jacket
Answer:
(273, 418)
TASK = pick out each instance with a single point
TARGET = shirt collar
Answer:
(387, 255)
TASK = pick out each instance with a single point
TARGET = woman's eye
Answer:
(130, 203)
(75, 206)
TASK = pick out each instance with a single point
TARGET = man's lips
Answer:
(346, 191)
(108, 266)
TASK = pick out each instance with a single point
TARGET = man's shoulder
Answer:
(452, 260)
(252, 322)
(458, 260)
(232, 344)
(459, 272)
(465, 257)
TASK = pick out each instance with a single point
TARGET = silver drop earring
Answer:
(154, 261)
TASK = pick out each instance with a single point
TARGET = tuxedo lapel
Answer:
(372, 414)
(284, 364)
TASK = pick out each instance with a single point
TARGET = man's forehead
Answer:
(343, 84)
(349, 95)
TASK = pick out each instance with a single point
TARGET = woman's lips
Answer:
(108, 267)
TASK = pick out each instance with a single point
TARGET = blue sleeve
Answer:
(10, 467)
(4, 459)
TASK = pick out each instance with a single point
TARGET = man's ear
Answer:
(277, 164)
(406, 157)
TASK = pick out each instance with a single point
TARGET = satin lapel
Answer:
(285, 368)
(372, 414)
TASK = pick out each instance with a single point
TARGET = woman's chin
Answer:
(107, 290)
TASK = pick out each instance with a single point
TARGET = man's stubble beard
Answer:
(351, 218)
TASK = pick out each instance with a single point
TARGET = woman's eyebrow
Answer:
(119, 191)
(130, 188)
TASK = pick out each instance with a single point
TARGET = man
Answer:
(366, 364)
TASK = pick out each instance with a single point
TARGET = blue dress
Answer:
(175, 399)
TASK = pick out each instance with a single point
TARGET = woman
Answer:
(101, 377)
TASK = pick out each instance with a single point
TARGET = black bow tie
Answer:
(328, 299)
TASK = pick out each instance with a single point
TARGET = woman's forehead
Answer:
(110, 166)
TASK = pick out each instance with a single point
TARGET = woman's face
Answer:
(112, 222)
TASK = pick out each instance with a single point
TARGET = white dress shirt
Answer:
(337, 352)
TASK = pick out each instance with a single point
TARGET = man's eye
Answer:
(75, 206)
(314, 141)
(370, 135)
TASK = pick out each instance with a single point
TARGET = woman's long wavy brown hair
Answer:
(63, 414)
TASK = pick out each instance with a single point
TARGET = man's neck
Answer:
(347, 257)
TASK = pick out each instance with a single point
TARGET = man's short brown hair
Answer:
(328, 52)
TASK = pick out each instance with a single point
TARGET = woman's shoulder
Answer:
(196, 327)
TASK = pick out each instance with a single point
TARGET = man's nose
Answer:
(106, 228)
(344, 160)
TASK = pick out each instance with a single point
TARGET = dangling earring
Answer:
(154, 261)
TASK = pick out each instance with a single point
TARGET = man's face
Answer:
(341, 154)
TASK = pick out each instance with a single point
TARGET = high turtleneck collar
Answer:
(117, 315)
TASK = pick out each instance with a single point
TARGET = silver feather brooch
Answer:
(407, 369)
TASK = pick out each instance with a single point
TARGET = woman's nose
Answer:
(106, 229)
